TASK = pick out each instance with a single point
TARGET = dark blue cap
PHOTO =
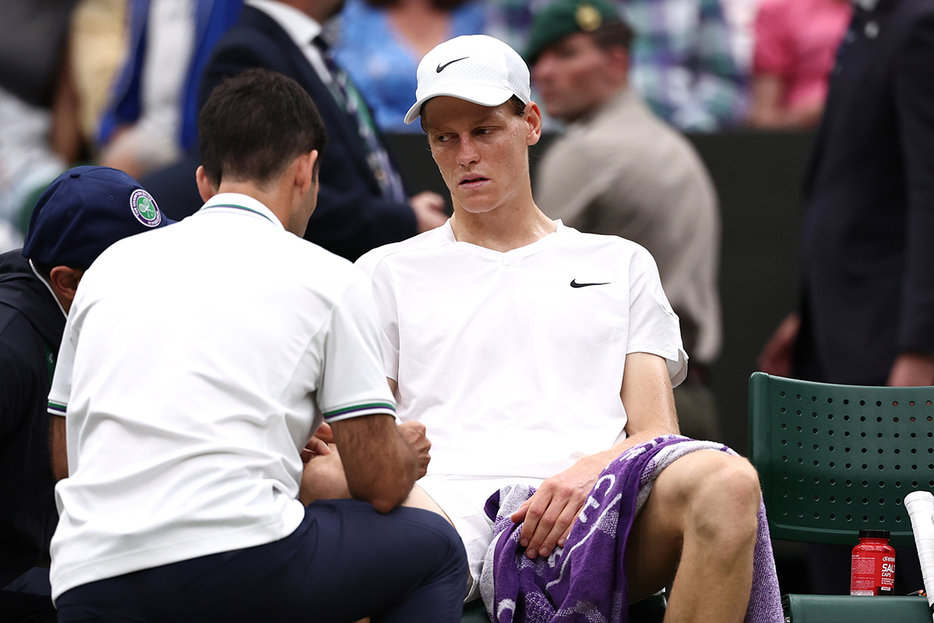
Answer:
(84, 211)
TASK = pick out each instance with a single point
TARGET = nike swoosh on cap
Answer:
(442, 66)
(574, 284)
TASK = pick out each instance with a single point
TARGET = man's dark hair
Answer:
(253, 126)
(613, 34)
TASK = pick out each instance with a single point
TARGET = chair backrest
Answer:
(833, 459)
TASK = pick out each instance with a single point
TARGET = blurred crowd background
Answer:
(108, 81)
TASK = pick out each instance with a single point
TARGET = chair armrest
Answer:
(854, 609)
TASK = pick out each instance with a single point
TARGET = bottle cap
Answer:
(873, 534)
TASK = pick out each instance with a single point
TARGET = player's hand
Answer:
(549, 514)
(429, 210)
(324, 433)
(414, 435)
(315, 447)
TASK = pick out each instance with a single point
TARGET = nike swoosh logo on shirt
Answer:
(442, 66)
(574, 284)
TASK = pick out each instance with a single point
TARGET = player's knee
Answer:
(726, 503)
(738, 480)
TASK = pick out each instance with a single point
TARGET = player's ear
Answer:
(533, 117)
(306, 172)
(205, 188)
(64, 281)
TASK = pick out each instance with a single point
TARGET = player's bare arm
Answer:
(59, 448)
(549, 514)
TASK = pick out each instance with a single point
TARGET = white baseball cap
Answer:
(477, 68)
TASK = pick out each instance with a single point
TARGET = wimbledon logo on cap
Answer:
(145, 209)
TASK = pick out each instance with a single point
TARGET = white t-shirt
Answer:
(196, 362)
(514, 361)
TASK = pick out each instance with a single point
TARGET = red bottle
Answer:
(872, 571)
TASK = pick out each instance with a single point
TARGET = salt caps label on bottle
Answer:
(872, 570)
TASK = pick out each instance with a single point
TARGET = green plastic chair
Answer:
(846, 609)
(833, 459)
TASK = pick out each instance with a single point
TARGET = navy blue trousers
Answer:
(343, 563)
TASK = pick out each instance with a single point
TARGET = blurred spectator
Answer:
(97, 48)
(683, 63)
(796, 41)
(362, 202)
(32, 61)
(621, 170)
(49, 109)
(866, 314)
(509, 20)
(682, 59)
(380, 43)
(140, 127)
(741, 16)
(169, 42)
(31, 38)
(27, 162)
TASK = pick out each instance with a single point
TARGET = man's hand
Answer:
(315, 447)
(324, 433)
(429, 210)
(549, 514)
(777, 353)
(318, 444)
(414, 434)
(912, 370)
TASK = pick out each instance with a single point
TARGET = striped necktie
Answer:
(349, 98)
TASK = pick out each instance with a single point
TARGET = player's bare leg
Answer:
(699, 527)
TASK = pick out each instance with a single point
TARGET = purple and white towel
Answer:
(586, 580)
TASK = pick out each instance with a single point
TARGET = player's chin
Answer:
(475, 203)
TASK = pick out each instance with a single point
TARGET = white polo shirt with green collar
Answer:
(195, 365)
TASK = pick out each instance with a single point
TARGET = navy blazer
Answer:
(868, 240)
(352, 216)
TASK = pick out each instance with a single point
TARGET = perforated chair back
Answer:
(833, 459)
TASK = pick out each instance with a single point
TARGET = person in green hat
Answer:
(621, 170)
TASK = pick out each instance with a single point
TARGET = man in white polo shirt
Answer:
(194, 369)
(537, 354)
